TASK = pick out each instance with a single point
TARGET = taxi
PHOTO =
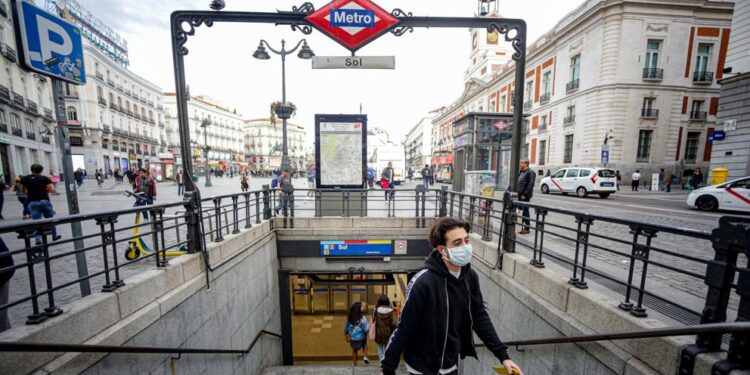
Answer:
(732, 195)
(581, 182)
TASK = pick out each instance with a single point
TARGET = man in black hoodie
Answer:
(443, 306)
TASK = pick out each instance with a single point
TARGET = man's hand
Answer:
(511, 367)
(523, 197)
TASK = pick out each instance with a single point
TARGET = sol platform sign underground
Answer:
(356, 248)
(352, 23)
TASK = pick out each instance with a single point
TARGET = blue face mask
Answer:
(460, 256)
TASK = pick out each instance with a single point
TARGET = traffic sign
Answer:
(719, 135)
(354, 62)
(48, 44)
(352, 23)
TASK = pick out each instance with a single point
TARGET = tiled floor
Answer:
(321, 338)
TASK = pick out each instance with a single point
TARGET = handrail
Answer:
(83, 348)
(640, 334)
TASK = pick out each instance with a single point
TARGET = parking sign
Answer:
(48, 44)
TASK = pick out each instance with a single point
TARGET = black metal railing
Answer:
(5, 94)
(3, 127)
(572, 86)
(17, 132)
(698, 115)
(544, 98)
(569, 119)
(527, 105)
(653, 74)
(703, 77)
(649, 113)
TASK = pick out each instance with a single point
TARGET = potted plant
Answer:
(281, 110)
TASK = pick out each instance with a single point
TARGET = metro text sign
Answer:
(352, 23)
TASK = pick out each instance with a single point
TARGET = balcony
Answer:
(106, 129)
(572, 86)
(31, 108)
(110, 82)
(649, 113)
(151, 121)
(130, 113)
(3, 128)
(544, 98)
(569, 119)
(698, 116)
(103, 101)
(8, 52)
(48, 114)
(72, 94)
(45, 139)
(653, 74)
(542, 126)
(703, 78)
(18, 101)
(17, 132)
(161, 124)
(4, 94)
(31, 136)
(105, 146)
(137, 116)
(100, 75)
(119, 87)
(527, 106)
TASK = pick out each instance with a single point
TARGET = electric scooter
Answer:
(137, 246)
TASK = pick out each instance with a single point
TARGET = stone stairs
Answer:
(326, 370)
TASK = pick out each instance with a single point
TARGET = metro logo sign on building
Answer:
(352, 23)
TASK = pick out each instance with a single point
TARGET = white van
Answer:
(581, 181)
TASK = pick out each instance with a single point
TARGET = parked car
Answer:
(417, 175)
(581, 181)
(732, 195)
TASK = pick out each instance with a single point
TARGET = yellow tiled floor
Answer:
(321, 338)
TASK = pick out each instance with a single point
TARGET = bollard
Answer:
(266, 202)
(509, 218)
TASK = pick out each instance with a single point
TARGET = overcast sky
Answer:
(429, 72)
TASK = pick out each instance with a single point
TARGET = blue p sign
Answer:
(48, 44)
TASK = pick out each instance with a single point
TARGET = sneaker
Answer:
(367, 360)
(56, 238)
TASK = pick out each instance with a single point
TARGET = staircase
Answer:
(326, 370)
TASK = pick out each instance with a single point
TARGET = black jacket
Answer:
(526, 183)
(437, 320)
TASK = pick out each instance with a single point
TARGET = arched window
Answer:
(72, 114)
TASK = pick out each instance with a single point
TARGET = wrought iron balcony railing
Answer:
(569, 119)
(698, 115)
(572, 86)
(649, 113)
(653, 74)
(544, 98)
(703, 77)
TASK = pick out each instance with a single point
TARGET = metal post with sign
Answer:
(53, 47)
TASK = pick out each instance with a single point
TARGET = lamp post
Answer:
(284, 111)
(206, 148)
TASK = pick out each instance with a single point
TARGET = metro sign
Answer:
(352, 23)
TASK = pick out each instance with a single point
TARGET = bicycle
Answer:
(137, 245)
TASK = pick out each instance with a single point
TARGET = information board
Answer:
(340, 151)
(356, 248)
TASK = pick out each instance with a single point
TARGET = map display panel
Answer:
(341, 161)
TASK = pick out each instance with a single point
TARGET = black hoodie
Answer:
(437, 319)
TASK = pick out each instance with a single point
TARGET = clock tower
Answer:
(489, 51)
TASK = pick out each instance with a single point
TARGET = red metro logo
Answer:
(352, 23)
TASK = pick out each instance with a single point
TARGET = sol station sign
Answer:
(352, 23)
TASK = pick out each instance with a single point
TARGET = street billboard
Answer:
(340, 151)
(48, 44)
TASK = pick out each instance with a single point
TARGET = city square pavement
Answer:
(653, 207)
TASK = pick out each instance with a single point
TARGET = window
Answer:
(584, 173)
(29, 126)
(3, 124)
(702, 58)
(559, 174)
(568, 154)
(652, 54)
(72, 114)
(15, 124)
(572, 173)
(691, 146)
(648, 103)
(697, 105)
(542, 152)
(575, 67)
(525, 152)
(503, 101)
(570, 115)
(543, 123)
(547, 82)
(529, 90)
(696, 110)
(644, 146)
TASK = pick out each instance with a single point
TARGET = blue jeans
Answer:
(142, 202)
(526, 220)
(180, 189)
(426, 182)
(25, 202)
(39, 209)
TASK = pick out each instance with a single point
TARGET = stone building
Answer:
(636, 80)
(264, 142)
(418, 144)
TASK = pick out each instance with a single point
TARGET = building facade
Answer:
(264, 144)
(733, 153)
(418, 144)
(211, 123)
(638, 81)
(116, 119)
(27, 121)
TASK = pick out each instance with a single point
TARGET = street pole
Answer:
(206, 148)
(285, 166)
(63, 140)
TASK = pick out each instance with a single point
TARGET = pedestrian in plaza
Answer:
(37, 188)
(285, 190)
(618, 179)
(99, 177)
(370, 177)
(668, 181)
(311, 181)
(244, 184)
(548, 173)
(6, 273)
(78, 176)
(3, 187)
(55, 179)
(383, 324)
(180, 180)
(662, 184)
(635, 180)
(21, 195)
(696, 178)
(146, 187)
(526, 182)
(426, 176)
(355, 331)
(386, 181)
(443, 307)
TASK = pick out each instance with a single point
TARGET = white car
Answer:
(581, 181)
(732, 195)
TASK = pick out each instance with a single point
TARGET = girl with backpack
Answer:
(356, 330)
(383, 324)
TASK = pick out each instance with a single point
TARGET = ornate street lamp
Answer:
(284, 111)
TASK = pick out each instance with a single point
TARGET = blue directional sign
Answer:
(356, 248)
(719, 135)
(605, 156)
(48, 44)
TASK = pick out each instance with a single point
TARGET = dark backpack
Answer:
(384, 326)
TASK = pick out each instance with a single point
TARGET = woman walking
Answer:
(244, 185)
(383, 324)
(99, 177)
(22, 197)
(356, 330)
